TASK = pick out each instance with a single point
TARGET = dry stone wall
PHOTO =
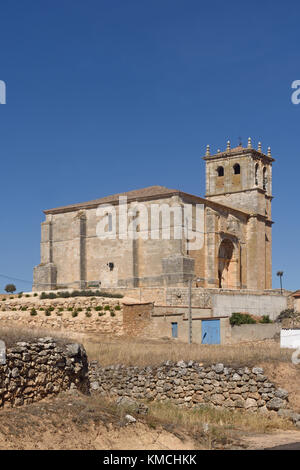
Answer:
(31, 371)
(78, 314)
(191, 384)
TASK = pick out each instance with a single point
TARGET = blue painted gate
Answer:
(174, 329)
(210, 331)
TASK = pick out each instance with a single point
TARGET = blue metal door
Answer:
(210, 331)
(174, 329)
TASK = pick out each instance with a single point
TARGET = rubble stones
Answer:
(39, 369)
(188, 384)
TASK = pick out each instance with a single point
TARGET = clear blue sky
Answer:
(108, 96)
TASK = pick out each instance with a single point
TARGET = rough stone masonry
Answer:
(194, 385)
(35, 370)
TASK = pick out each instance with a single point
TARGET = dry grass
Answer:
(13, 335)
(213, 424)
(138, 352)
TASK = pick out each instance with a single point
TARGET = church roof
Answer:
(143, 194)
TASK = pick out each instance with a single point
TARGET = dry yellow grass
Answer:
(140, 352)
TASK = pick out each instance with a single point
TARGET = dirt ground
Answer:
(74, 423)
(78, 422)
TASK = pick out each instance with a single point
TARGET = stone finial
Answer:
(259, 146)
(228, 145)
(207, 151)
(269, 151)
(249, 143)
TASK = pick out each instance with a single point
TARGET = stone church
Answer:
(236, 252)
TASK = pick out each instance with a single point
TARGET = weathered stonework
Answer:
(36, 370)
(236, 232)
(191, 384)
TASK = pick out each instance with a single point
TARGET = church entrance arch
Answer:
(228, 265)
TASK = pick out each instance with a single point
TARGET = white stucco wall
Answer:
(290, 339)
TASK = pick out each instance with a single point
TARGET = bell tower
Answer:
(241, 178)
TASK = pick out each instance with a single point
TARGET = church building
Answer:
(235, 233)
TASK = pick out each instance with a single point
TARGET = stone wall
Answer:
(58, 314)
(191, 384)
(36, 370)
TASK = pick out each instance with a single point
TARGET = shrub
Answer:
(241, 319)
(98, 308)
(75, 313)
(117, 307)
(287, 313)
(27, 295)
(107, 307)
(25, 307)
(20, 295)
(265, 319)
(79, 309)
(88, 314)
(112, 313)
(35, 294)
(78, 293)
(33, 312)
(48, 312)
(70, 309)
(10, 288)
(100, 314)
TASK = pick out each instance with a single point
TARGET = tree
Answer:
(10, 288)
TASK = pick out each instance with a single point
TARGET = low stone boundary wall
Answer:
(191, 384)
(254, 332)
(32, 371)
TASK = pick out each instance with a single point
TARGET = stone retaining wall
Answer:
(33, 371)
(59, 317)
(191, 384)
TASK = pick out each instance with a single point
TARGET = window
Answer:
(256, 174)
(220, 171)
(237, 169)
(265, 179)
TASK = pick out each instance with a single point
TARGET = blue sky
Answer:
(108, 96)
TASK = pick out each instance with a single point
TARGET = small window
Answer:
(237, 169)
(220, 171)
(265, 179)
(111, 266)
(256, 174)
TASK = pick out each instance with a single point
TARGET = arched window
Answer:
(256, 174)
(237, 169)
(265, 179)
(220, 171)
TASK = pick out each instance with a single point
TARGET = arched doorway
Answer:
(227, 265)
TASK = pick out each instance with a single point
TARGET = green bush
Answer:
(98, 308)
(112, 313)
(241, 319)
(265, 319)
(88, 314)
(75, 313)
(106, 307)
(78, 293)
(48, 312)
(117, 307)
(100, 314)
(33, 312)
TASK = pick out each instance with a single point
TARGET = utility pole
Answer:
(190, 312)
(280, 274)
